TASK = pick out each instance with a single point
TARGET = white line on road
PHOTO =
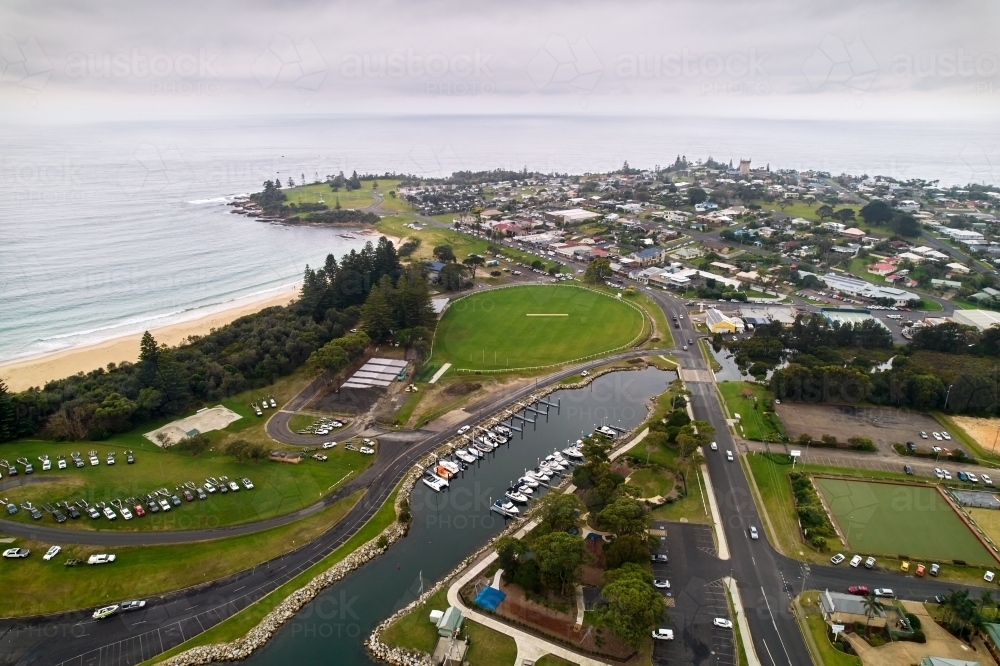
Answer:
(768, 604)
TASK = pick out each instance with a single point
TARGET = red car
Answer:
(139, 511)
(188, 496)
(860, 590)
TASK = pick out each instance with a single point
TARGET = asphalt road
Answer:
(173, 618)
(767, 580)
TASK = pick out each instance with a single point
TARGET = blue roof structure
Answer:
(489, 598)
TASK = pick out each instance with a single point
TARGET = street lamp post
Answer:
(946, 396)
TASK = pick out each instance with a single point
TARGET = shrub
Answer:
(195, 445)
(919, 637)
(914, 621)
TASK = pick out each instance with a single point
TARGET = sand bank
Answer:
(24, 373)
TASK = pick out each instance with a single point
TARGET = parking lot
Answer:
(697, 596)
(882, 425)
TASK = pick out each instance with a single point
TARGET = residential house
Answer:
(729, 268)
(854, 234)
(650, 256)
(714, 246)
(881, 268)
(959, 268)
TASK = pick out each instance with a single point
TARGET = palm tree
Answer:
(872, 607)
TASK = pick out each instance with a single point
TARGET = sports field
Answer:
(900, 519)
(528, 326)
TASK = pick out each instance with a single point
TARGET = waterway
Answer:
(449, 526)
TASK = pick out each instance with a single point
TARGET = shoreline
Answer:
(24, 373)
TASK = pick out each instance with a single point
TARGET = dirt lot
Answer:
(984, 431)
(883, 425)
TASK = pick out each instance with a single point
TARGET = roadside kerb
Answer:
(720, 534)
(741, 622)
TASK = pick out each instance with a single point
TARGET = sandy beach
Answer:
(22, 374)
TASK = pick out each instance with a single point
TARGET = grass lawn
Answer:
(239, 624)
(552, 660)
(662, 454)
(498, 329)
(905, 519)
(430, 237)
(690, 508)
(35, 586)
(807, 210)
(754, 423)
(279, 488)
(413, 631)
(488, 647)
(361, 198)
(406, 411)
(652, 482)
(300, 422)
(769, 475)
(828, 654)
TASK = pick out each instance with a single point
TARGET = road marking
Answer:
(780, 639)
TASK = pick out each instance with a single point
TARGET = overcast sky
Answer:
(76, 60)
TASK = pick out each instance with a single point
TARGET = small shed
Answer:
(450, 623)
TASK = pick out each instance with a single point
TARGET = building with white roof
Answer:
(862, 289)
(981, 319)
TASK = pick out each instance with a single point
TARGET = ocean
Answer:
(109, 229)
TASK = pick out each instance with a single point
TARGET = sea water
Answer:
(109, 229)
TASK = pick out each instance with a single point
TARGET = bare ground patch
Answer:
(883, 425)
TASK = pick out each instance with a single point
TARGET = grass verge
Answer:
(37, 587)
(413, 631)
(755, 423)
(238, 625)
(741, 651)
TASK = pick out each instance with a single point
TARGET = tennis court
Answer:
(900, 519)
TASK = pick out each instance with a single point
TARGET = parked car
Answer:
(188, 497)
(923, 435)
(860, 590)
(109, 513)
(126, 514)
(464, 429)
(201, 493)
(659, 557)
(247, 483)
(870, 563)
(945, 434)
(663, 634)
(139, 511)
(908, 469)
(884, 592)
(329, 445)
(935, 568)
(919, 573)
(723, 623)
(164, 504)
(989, 576)
(856, 561)
(938, 472)
(972, 477)
(904, 567)
(132, 605)
(837, 559)
(661, 583)
(16, 553)
(962, 476)
(986, 479)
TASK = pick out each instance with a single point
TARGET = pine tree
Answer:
(8, 415)
(376, 316)
(149, 351)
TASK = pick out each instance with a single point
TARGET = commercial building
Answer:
(779, 313)
(848, 316)
(862, 289)
(981, 319)
(570, 215)
(720, 323)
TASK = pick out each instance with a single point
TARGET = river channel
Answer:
(450, 525)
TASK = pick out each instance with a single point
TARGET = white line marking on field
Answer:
(441, 371)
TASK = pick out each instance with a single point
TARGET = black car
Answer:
(153, 506)
(908, 469)
(73, 513)
(12, 509)
(175, 500)
(78, 462)
(911, 446)
(676, 325)
(659, 557)
(201, 494)
(60, 518)
(35, 513)
(129, 458)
